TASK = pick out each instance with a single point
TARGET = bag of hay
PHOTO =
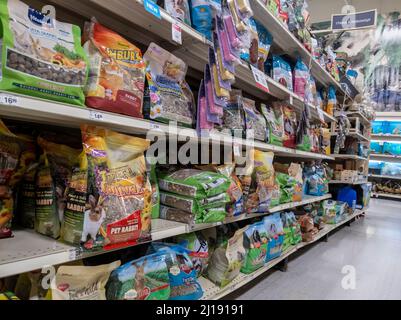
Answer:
(81, 282)
(143, 279)
(41, 56)
(255, 243)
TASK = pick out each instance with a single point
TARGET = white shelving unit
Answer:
(385, 157)
(379, 176)
(29, 250)
(386, 195)
(348, 157)
(213, 292)
(386, 137)
(360, 115)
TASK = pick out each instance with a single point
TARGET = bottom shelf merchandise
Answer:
(208, 264)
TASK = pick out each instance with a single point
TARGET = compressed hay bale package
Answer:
(118, 193)
(143, 279)
(116, 80)
(81, 282)
(41, 56)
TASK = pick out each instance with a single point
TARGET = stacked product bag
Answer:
(41, 56)
(333, 211)
(292, 230)
(315, 180)
(194, 196)
(116, 74)
(255, 243)
(275, 234)
(109, 199)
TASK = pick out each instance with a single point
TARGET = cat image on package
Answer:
(94, 217)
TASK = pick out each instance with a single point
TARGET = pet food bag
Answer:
(174, 214)
(10, 150)
(118, 209)
(182, 274)
(81, 282)
(254, 121)
(275, 233)
(171, 98)
(255, 244)
(53, 176)
(194, 183)
(196, 243)
(41, 56)
(202, 17)
(27, 197)
(228, 256)
(292, 230)
(179, 10)
(143, 279)
(275, 124)
(117, 72)
(259, 196)
(290, 127)
(155, 191)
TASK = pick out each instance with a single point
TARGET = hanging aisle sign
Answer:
(355, 20)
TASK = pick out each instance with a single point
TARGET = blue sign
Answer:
(356, 20)
(152, 7)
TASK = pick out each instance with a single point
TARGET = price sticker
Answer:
(237, 150)
(154, 126)
(320, 114)
(152, 7)
(8, 100)
(260, 79)
(176, 33)
(291, 100)
(94, 115)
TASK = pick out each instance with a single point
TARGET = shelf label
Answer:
(291, 100)
(154, 126)
(75, 254)
(152, 8)
(237, 150)
(176, 33)
(8, 100)
(94, 115)
(260, 79)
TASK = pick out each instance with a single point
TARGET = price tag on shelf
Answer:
(237, 150)
(260, 79)
(94, 115)
(154, 126)
(291, 100)
(8, 100)
(152, 7)
(320, 114)
(176, 33)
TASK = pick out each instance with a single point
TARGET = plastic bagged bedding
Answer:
(171, 99)
(255, 244)
(194, 183)
(117, 72)
(118, 208)
(228, 256)
(41, 56)
(181, 272)
(143, 279)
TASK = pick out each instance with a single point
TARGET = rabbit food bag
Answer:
(182, 274)
(228, 256)
(118, 209)
(255, 243)
(81, 282)
(116, 80)
(40, 56)
(143, 279)
(275, 233)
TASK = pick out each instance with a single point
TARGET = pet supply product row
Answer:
(110, 73)
(171, 270)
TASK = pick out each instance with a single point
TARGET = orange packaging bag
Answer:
(117, 72)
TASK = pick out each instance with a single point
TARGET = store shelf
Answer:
(213, 292)
(387, 195)
(355, 135)
(49, 112)
(348, 157)
(287, 42)
(385, 157)
(360, 115)
(391, 116)
(347, 182)
(378, 176)
(386, 137)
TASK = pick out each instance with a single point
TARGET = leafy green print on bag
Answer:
(255, 243)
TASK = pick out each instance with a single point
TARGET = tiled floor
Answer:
(371, 247)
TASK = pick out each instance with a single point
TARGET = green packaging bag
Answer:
(40, 56)
(194, 183)
(255, 243)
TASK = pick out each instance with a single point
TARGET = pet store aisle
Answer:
(371, 247)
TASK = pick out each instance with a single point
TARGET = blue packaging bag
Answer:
(275, 231)
(202, 17)
(347, 194)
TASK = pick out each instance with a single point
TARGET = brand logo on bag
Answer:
(40, 19)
